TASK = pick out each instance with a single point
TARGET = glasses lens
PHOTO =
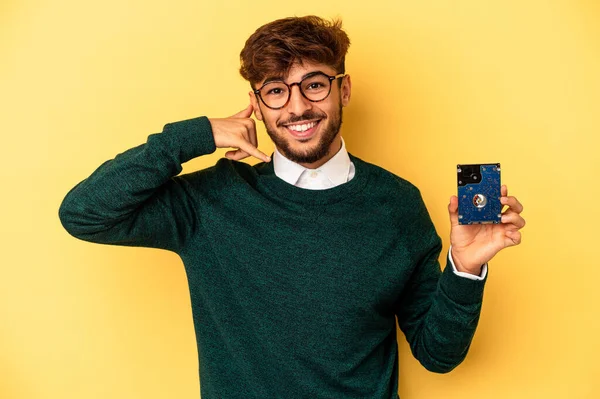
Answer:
(275, 94)
(316, 87)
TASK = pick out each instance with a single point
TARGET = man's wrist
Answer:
(474, 270)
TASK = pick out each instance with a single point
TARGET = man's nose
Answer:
(298, 104)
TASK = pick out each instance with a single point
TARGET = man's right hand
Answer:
(238, 131)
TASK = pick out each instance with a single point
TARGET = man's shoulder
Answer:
(397, 196)
(224, 174)
(385, 180)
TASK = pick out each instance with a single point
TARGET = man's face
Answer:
(321, 141)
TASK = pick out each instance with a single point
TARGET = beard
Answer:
(315, 153)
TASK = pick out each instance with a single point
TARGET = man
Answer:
(298, 266)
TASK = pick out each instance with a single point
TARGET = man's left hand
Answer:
(474, 245)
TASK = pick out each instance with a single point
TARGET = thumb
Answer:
(246, 113)
(453, 211)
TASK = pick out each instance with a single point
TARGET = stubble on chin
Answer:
(309, 155)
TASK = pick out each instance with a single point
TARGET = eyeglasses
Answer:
(315, 87)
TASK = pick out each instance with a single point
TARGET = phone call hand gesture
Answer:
(474, 245)
(239, 132)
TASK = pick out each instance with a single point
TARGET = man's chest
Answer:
(342, 267)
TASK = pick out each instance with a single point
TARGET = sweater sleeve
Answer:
(137, 199)
(439, 311)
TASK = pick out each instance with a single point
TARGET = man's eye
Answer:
(275, 91)
(315, 85)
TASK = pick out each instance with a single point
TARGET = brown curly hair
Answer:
(275, 47)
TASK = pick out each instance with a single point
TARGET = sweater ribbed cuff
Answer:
(461, 290)
(193, 137)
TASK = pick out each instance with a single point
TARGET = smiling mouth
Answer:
(302, 130)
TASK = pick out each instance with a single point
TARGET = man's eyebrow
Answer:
(280, 78)
(312, 73)
(273, 79)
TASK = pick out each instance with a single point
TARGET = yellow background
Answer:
(435, 83)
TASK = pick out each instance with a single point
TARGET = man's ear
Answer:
(346, 90)
(255, 105)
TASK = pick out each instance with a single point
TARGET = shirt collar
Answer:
(336, 169)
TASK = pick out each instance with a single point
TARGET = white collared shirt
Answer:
(338, 170)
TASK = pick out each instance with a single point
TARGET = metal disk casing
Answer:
(479, 193)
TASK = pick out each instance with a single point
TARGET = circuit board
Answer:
(479, 193)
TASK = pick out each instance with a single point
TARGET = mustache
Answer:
(307, 116)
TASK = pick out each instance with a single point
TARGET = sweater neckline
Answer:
(269, 182)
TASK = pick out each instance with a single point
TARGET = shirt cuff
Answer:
(465, 274)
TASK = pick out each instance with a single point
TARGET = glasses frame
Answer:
(289, 86)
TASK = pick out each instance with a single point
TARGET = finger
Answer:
(236, 155)
(245, 113)
(453, 210)
(252, 138)
(251, 133)
(513, 218)
(513, 203)
(514, 237)
(503, 193)
(255, 152)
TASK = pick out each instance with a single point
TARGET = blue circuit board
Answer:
(479, 193)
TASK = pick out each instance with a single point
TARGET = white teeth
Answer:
(302, 128)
